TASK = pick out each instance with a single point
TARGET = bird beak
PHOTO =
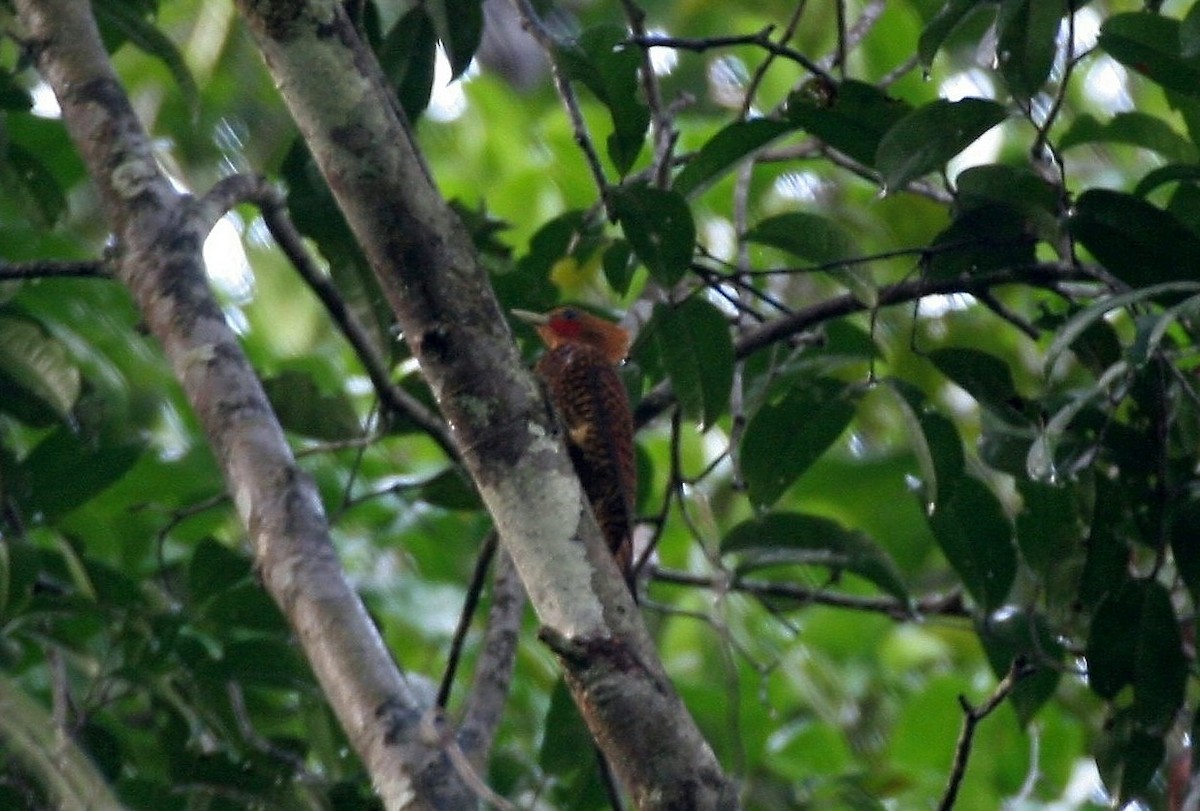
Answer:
(529, 317)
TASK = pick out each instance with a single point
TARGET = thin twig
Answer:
(1069, 63)
(484, 705)
(759, 74)
(241, 715)
(1047, 276)
(849, 39)
(949, 604)
(1042, 275)
(971, 717)
(988, 299)
(474, 589)
(674, 490)
(176, 518)
(532, 23)
(761, 40)
(839, 59)
(663, 134)
(899, 72)
(49, 269)
(437, 732)
(230, 191)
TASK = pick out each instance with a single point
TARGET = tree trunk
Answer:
(443, 300)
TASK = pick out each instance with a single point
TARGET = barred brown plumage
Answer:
(579, 369)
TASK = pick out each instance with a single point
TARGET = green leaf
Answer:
(818, 239)
(13, 96)
(1171, 173)
(658, 224)
(112, 587)
(1106, 567)
(1133, 128)
(1127, 756)
(1189, 33)
(796, 538)
(568, 755)
(1050, 533)
(603, 59)
(49, 141)
(407, 55)
(266, 662)
(619, 266)
(1136, 241)
(985, 377)
(1151, 44)
(36, 373)
(304, 409)
(450, 490)
(27, 170)
(1026, 46)
(1152, 329)
(925, 430)
(946, 454)
(1018, 188)
(693, 345)
(526, 285)
(67, 469)
(851, 117)
(127, 21)
(724, 150)
(1135, 642)
(973, 533)
(980, 240)
(1014, 634)
(214, 568)
(1086, 321)
(785, 437)
(246, 607)
(1004, 446)
(567, 745)
(1042, 463)
(941, 26)
(1185, 543)
(928, 137)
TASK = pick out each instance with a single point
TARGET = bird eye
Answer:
(569, 313)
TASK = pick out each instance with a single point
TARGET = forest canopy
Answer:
(913, 290)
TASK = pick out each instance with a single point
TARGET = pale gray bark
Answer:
(159, 234)
(441, 295)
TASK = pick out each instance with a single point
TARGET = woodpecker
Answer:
(579, 369)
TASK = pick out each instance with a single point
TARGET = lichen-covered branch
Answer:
(29, 734)
(427, 267)
(159, 233)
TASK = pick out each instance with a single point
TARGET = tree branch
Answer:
(762, 39)
(442, 297)
(474, 589)
(663, 133)
(84, 269)
(1047, 276)
(494, 667)
(159, 235)
(30, 735)
(971, 718)
(949, 604)
(270, 201)
(532, 23)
